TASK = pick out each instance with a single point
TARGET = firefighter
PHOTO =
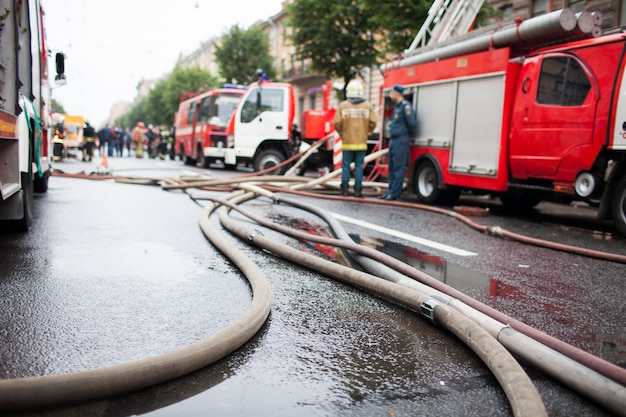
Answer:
(90, 142)
(355, 120)
(402, 128)
(58, 146)
(138, 139)
(163, 142)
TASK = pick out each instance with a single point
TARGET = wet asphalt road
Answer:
(115, 272)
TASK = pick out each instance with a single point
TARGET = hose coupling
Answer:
(427, 309)
(494, 231)
(256, 232)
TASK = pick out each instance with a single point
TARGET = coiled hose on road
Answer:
(587, 382)
(86, 385)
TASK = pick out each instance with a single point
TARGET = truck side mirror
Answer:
(60, 68)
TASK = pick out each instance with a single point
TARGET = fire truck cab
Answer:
(201, 124)
(259, 133)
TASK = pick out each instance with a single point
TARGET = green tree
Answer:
(241, 52)
(399, 22)
(56, 106)
(136, 114)
(162, 101)
(338, 36)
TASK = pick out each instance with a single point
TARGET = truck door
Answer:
(191, 123)
(264, 114)
(553, 113)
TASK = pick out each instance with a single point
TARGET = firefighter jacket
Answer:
(355, 120)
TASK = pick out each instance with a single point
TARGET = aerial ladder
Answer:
(446, 19)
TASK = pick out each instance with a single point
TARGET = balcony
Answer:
(300, 73)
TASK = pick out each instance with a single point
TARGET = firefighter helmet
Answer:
(354, 89)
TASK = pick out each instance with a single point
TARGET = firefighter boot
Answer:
(344, 190)
(358, 192)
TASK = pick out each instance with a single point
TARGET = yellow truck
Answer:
(68, 140)
(73, 135)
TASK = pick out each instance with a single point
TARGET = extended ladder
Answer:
(446, 19)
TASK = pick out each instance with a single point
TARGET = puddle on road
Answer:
(454, 275)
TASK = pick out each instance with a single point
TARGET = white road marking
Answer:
(405, 236)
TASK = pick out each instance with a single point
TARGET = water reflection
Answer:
(452, 274)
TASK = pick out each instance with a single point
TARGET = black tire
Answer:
(618, 205)
(426, 183)
(190, 161)
(202, 161)
(270, 158)
(26, 221)
(40, 184)
(519, 202)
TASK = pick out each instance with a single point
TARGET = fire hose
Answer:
(522, 394)
(528, 343)
(103, 382)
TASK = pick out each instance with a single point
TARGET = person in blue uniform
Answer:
(402, 128)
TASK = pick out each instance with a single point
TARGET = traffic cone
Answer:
(105, 161)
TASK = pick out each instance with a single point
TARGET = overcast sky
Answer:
(112, 44)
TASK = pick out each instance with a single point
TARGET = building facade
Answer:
(308, 84)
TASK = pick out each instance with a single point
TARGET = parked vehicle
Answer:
(529, 113)
(201, 123)
(25, 123)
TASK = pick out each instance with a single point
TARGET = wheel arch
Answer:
(604, 210)
(420, 160)
(279, 145)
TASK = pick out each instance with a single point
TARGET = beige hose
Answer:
(519, 389)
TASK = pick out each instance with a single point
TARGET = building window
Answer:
(539, 7)
(576, 5)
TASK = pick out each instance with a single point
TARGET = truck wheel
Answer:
(269, 158)
(425, 182)
(202, 161)
(618, 205)
(519, 201)
(190, 161)
(40, 184)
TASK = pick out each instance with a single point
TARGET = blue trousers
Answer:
(398, 156)
(347, 157)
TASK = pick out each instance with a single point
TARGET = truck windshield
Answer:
(271, 99)
(221, 108)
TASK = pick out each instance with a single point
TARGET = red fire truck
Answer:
(201, 123)
(25, 147)
(500, 112)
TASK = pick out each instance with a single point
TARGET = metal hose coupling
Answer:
(494, 231)
(427, 309)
